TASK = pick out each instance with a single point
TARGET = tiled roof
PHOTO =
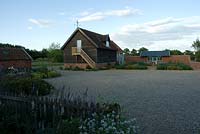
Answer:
(98, 39)
(155, 54)
(11, 53)
(116, 46)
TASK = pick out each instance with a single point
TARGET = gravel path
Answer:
(163, 102)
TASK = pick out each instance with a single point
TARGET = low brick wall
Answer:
(73, 65)
(101, 65)
(173, 58)
(16, 64)
(84, 65)
(195, 65)
(177, 59)
(129, 59)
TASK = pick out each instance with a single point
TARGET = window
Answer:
(79, 43)
(79, 46)
(107, 44)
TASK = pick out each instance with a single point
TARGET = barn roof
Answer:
(12, 53)
(155, 54)
(97, 39)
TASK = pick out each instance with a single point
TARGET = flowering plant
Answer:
(110, 123)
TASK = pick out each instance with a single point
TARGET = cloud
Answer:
(61, 13)
(86, 16)
(165, 21)
(40, 22)
(124, 12)
(172, 33)
(85, 13)
(92, 17)
(29, 28)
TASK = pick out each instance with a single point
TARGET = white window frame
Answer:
(107, 44)
(79, 45)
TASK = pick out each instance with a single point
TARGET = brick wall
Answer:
(195, 65)
(16, 64)
(129, 59)
(177, 59)
(173, 58)
(84, 65)
(73, 65)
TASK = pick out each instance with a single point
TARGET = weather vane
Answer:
(77, 24)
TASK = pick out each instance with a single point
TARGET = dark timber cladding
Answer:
(87, 46)
(98, 47)
(105, 55)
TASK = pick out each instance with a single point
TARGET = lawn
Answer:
(38, 63)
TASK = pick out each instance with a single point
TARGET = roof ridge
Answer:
(14, 53)
(92, 32)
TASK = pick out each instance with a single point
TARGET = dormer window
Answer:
(107, 44)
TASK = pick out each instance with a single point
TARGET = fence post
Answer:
(62, 110)
(33, 105)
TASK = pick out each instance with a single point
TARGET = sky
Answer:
(154, 24)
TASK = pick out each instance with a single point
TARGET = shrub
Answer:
(132, 66)
(162, 67)
(69, 126)
(92, 69)
(110, 123)
(67, 68)
(173, 66)
(105, 121)
(61, 68)
(120, 66)
(140, 63)
(77, 69)
(43, 72)
(52, 74)
(41, 69)
(139, 67)
(39, 75)
(88, 68)
(27, 86)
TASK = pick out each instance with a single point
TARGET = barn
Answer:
(86, 48)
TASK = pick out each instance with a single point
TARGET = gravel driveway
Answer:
(163, 102)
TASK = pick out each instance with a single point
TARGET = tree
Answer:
(44, 53)
(196, 44)
(54, 46)
(142, 49)
(54, 53)
(175, 52)
(197, 56)
(188, 52)
(126, 51)
(134, 52)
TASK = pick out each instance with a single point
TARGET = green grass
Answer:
(45, 62)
